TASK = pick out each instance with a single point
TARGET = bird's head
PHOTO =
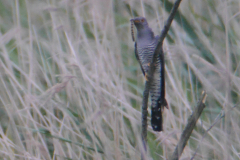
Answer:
(142, 29)
(139, 22)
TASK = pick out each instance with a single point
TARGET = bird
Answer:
(145, 45)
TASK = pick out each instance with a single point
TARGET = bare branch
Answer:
(189, 128)
(219, 117)
(158, 49)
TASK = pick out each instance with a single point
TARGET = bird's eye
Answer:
(142, 20)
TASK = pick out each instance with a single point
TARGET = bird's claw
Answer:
(146, 77)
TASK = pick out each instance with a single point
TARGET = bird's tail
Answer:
(157, 120)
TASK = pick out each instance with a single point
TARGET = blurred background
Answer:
(71, 87)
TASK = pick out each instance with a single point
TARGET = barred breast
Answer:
(145, 53)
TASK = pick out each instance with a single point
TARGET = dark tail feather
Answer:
(157, 120)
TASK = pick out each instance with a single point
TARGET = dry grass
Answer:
(71, 87)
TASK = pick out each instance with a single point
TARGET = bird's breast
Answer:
(145, 53)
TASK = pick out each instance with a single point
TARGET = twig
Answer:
(158, 49)
(219, 117)
(189, 128)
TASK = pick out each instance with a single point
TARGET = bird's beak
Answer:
(133, 20)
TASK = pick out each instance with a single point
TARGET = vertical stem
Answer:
(150, 75)
(189, 128)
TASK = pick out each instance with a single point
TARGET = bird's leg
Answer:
(150, 64)
(146, 76)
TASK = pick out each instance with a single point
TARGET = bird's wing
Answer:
(136, 54)
(162, 81)
(162, 76)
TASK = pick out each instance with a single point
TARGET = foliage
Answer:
(71, 86)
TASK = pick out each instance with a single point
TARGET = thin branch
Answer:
(189, 128)
(219, 117)
(158, 49)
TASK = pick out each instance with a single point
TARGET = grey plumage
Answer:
(145, 45)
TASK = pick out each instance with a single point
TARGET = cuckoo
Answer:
(145, 45)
